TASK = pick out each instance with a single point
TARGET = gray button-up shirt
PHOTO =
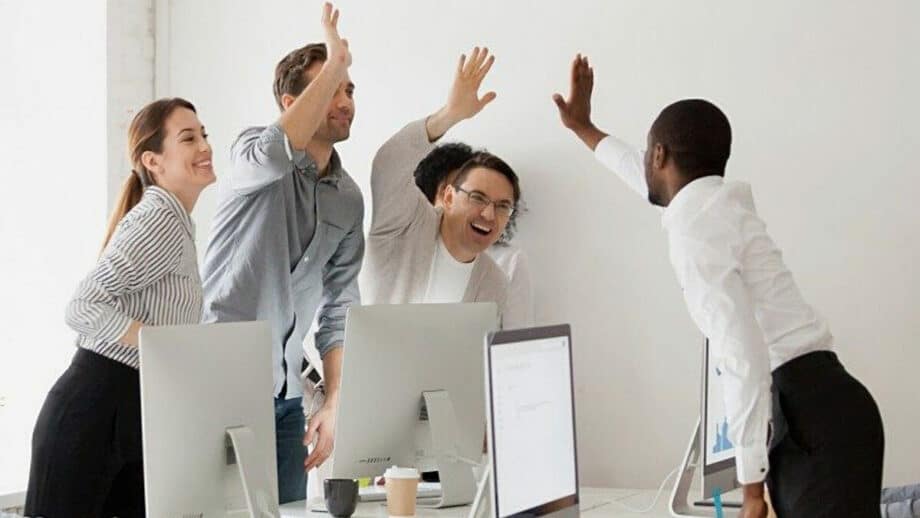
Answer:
(286, 246)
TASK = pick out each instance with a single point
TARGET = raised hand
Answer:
(575, 112)
(336, 46)
(463, 102)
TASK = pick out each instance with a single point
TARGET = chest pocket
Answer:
(308, 274)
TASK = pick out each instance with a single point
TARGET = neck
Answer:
(453, 245)
(321, 153)
(187, 196)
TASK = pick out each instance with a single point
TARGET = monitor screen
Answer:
(533, 430)
(718, 449)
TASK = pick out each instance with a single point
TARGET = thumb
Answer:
(311, 433)
(487, 98)
(560, 102)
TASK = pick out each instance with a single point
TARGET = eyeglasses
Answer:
(481, 201)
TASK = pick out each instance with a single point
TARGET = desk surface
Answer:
(595, 502)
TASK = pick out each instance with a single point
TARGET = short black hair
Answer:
(696, 135)
(437, 166)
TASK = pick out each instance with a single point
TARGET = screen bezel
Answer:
(498, 339)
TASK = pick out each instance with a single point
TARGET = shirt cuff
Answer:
(114, 328)
(751, 463)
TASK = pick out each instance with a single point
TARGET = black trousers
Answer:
(826, 452)
(86, 446)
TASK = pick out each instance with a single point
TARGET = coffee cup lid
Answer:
(397, 472)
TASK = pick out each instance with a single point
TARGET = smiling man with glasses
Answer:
(420, 253)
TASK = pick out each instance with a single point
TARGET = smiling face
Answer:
(340, 113)
(470, 225)
(184, 162)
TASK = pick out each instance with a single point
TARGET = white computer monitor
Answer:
(198, 383)
(718, 452)
(531, 423)
(397, 357)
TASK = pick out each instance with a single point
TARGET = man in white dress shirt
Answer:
(824, 457)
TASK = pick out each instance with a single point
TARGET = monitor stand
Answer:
(680, 504)
(481, 506)
(457, 484)
(241, 446)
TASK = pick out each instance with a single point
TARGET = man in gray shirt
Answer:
(287, 242)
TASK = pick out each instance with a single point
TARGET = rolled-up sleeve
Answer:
(141, 252)
(259, 157)
(340, 288)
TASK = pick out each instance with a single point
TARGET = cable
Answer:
(654, 501)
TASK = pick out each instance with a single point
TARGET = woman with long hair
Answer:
(86, 446)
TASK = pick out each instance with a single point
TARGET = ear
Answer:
(287, 100)
(449, 194)
(659, 156)
(151, 162)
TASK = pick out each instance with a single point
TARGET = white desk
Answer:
(595, 503)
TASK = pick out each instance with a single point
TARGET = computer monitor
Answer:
(398, 357)
(207, 411)
(718, 451)
(531, 423)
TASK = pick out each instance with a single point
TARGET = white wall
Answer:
(130, 59)
(822, 97)
(52, 201)
(73, 82)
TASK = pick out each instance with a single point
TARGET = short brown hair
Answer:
(291, 72)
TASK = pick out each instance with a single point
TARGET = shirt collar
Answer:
(168, 200)
(689, 199)
(304, 163)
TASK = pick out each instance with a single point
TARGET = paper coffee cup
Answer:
(402, 488)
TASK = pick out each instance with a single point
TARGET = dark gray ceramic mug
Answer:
(341, 496)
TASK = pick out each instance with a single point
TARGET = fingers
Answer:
(320, 453)
(485, 68)
(477, 65)
(335, 19)
(327, 13)
(311, 432)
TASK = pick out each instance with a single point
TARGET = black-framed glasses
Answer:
(481, 201)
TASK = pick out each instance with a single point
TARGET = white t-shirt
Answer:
(448, 278)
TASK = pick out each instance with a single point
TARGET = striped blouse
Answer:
(148, 272)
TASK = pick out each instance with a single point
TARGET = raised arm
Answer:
(396, 199)
(302, 118)
(261, 158)
(575, 113)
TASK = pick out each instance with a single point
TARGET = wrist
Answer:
(589, 134)
(753, 491)
(439, 122)
(332, 397)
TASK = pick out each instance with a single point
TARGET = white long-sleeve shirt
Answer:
(739, 293)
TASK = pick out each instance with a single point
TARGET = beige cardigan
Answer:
(404, 232)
